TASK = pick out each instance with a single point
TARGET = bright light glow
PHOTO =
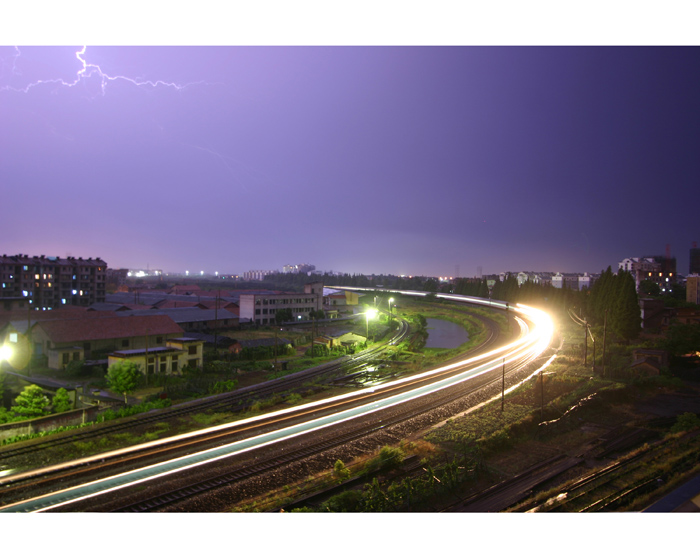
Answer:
(5, 352)
(371, 313)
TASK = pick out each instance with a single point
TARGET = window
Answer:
(125, 343)
(163, 366)
(65, 358)
(191, 350)
(159, 340)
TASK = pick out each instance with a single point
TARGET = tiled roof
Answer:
(63, 312)
(103, 328)
(184, 315)
(180, 289)
(175, 304)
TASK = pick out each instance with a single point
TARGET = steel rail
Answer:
(525, 348)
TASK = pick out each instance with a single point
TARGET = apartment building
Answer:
(660, 270)
(257, 274)
(262, 308)
(692, 288)
(49, 282)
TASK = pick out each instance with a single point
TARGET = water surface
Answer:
(445, 334)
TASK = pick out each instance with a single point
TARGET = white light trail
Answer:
(532, 342)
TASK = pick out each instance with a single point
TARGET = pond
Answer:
(445, 334)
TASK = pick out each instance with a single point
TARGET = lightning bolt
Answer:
(86, 72)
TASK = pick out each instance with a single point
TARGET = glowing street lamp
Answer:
(5, 353)
(390, 300)
(370, 314)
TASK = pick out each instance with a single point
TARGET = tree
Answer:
(31, 403)
(627, 315)
(284, 316)
(682, 339)
(61, 401)
(123, 377)
(430, 285)
(649, 288)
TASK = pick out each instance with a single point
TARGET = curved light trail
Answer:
(532, 342)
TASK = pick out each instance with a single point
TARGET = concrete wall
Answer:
(51, 422)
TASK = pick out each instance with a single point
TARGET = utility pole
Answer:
(585, 343)
(605, 327)
(503, 386)
(542, 397)
(593, 339)
(216, 319)
(313, 328)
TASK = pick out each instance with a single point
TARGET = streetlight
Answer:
(390, 300)
(5, 353)
(370, 313)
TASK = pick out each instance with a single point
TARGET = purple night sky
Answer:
(402, 160)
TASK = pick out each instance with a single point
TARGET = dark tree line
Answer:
(613, 301)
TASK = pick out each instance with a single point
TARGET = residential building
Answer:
(694, 267)
(570, 281)
(49, 282)
(660, 270)
(169, 359)
(65, 340)
(297, 268)
(692, 288)
(262, 308)
(257, 274)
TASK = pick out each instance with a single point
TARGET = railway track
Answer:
(234, 401)
(216, 436)
(324, 444)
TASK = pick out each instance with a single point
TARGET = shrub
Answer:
(340, 471)
(224, 386)
(61, 401)
(348, 501)
(685, 422)
(388, 458)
